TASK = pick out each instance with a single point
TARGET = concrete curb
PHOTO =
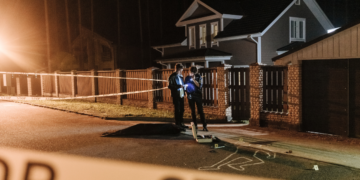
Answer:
(318, 155)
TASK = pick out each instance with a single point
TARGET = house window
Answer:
(106, 54)
(214, 33)
(297, 29)
(202, 35)
(192, 38)
(4, 79)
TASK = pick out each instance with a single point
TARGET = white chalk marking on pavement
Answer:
(230, 164)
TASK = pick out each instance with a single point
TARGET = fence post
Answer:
(42, 83)
(295, 96)
(118, 86)
(29, 85)
(223, 98)
(256, 78)
(1, 82)
(18, 88)
(56, 83)
(94, 86)
(150, 85)
(73, 83)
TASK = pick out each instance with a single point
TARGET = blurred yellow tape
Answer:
(18, 164)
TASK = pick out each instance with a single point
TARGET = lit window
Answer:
(202, 35)
(214, 33)
(4, 79)
(192, 38)
(297, 29)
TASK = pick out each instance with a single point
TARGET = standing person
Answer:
(194, 84)
(176, 85)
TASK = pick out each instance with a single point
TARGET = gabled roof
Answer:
(291, 46)
(307, 44)
(250, 16)
(258, 15)
(225, 6)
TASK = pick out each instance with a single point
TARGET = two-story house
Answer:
(242, 32)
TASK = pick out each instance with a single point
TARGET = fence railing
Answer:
(275, 88)
(239, 87)
(136, 85)
(84, 84)
(209, 91)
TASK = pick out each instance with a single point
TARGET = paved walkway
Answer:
(271, 140)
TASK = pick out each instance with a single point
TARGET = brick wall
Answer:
(295, 96)
(290, 120)
(255, 94)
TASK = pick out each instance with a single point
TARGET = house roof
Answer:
(257, 15)
(194, 54)
(290, 46)
(307, 44)
(226, 6)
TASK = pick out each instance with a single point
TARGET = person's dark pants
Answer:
(179, 110)
(198, 102)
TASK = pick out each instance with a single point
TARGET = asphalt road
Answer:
(35, 128)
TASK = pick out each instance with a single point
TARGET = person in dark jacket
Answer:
(194, 85)
(176, 85)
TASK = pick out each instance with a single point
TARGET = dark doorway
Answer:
(325, 96)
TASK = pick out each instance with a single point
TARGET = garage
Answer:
(329, 82)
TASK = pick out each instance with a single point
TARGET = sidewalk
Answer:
(326, 148)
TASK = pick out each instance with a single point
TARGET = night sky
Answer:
(143, 23)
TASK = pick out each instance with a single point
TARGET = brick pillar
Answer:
(223, 91)
(256, 84)
(94, 85)
(42, 84)
(56, 82)
(119, 85)
(73, 84)
(150, 85)
(295, 96)
(29, 85)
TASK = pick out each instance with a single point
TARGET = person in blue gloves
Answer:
(194, 84)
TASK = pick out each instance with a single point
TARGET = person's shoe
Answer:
(205, 129)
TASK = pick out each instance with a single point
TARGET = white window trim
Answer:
(304, 29)
(201, 34)
(215, 42)
(191, 38)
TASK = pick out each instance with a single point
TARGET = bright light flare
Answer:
(21, 40)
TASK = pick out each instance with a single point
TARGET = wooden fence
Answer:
(136, 85)
(239, 79)
(84, 84)
(210, 90)
(275, 88)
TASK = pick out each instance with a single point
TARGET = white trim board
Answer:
(193, 8)
(238, 37)
(197, 59)
(319, 14)
(183, 43)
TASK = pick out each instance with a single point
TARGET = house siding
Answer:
(278, 34)
(243, 51)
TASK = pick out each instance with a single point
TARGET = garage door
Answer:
(354, 98)
(325, 96)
